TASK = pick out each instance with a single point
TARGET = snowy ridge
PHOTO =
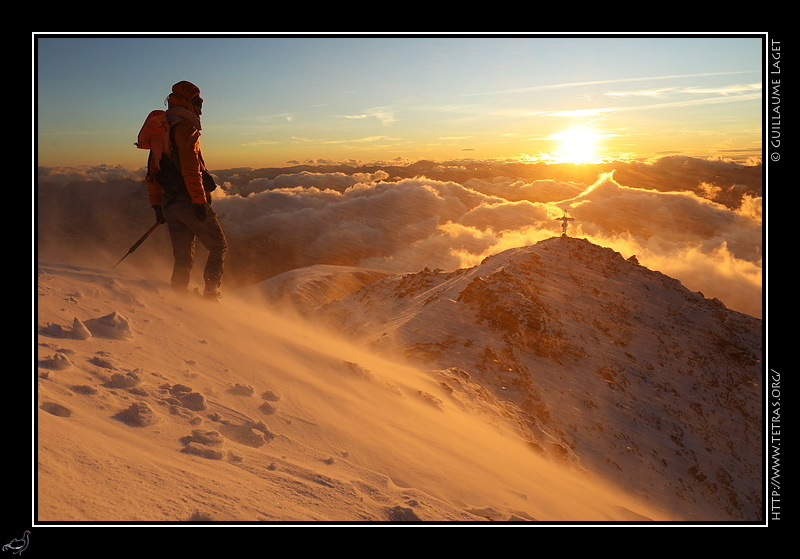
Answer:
(619, 369)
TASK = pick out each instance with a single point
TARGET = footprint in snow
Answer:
(79, 331)
(139, 414)
(186, 397)
(242, 390)
(206, 444)
(57, 362)
(254, 434)
(113, 326)
(127, 380)
(56, 409)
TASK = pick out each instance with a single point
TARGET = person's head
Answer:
(186, 94)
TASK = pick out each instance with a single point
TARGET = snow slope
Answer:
(616, 369)
(305, 289)
(155, 408)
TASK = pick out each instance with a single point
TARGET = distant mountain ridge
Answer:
(616, 368)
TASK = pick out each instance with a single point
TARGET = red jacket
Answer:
(184, 119)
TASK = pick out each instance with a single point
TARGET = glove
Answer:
(159, 215)
(200, 212)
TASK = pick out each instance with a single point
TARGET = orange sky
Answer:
(275, 100)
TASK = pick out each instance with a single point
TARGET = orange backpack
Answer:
(154, 135)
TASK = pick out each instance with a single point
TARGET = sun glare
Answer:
(577, 145)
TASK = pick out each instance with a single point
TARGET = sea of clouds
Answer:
(697, 220)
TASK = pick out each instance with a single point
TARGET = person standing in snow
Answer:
(179, 197)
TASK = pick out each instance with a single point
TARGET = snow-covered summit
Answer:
(618, 368)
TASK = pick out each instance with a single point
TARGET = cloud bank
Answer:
(696, 220)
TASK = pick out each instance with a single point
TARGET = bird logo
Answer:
(18, 545)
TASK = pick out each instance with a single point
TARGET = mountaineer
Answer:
(179, 189)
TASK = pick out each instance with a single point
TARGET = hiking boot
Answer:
(212, 295)
(180, 290)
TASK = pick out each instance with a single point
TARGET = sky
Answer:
(274, 100)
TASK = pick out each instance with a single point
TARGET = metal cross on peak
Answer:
(564, 222)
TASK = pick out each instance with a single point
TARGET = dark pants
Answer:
(184, 228)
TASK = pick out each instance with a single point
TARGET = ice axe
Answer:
(137, 243)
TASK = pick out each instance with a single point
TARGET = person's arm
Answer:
(187, 142)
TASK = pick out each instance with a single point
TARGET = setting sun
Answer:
(577, 145)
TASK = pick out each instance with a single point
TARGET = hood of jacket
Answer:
(179, 102)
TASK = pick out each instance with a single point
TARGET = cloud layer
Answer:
(696, 220)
